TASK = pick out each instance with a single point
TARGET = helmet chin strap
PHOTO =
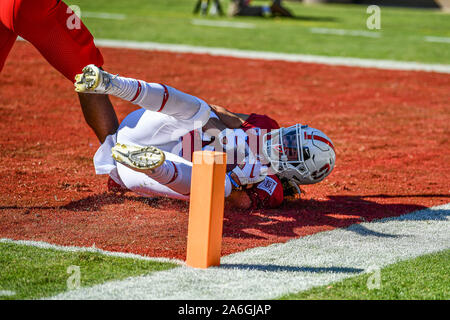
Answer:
(296, 187)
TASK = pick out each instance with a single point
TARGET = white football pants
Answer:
(169, 114)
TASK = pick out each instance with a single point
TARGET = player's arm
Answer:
(266, 194)
(238, 200)
(230, 119)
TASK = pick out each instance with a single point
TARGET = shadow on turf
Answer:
(97, 201)
(296, 217)
(277, 268)
(293, 219)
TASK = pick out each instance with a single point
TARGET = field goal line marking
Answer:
(93, 249)
(264, 55)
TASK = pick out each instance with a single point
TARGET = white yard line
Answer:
(222, 24)
(7, 293)
(103, 15)
(262, 55)
(300, 264)
(344, 32)
(45, 245)
(438, 39)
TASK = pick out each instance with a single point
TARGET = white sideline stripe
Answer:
(222, 24)
(300, 264)
(438, 39)
(262, 55)
(7, 293)
(103, 15)
(344, 32)
(93, 249)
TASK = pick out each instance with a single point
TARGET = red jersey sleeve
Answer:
(259, 121)
(266, 194)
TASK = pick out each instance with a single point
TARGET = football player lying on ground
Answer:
(151, 151)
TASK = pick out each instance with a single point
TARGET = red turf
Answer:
(390, 129)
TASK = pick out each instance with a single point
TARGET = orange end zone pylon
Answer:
(206, 209)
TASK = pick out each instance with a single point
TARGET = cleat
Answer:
(93, 80)
(139, 158)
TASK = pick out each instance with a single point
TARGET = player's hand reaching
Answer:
(248, 173)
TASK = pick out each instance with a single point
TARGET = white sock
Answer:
(176, 176)
(157, 97)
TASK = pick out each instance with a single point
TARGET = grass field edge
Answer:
(326, 291)
(265, 55)
(47, 245)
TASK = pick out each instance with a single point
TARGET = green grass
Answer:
(426, 277)
(33, 273)
(169, 21)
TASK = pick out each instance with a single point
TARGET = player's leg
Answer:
(143, 185)
(151, 96)
(68, 46)
(168, 169)
(57, 33)
(7, 35)
(278, 9)
(145, 128)
(137, 137)
(144, 169)
(164, 167)
(7, 40)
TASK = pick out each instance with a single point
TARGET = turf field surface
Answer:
(389, 128)
(403, 34)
